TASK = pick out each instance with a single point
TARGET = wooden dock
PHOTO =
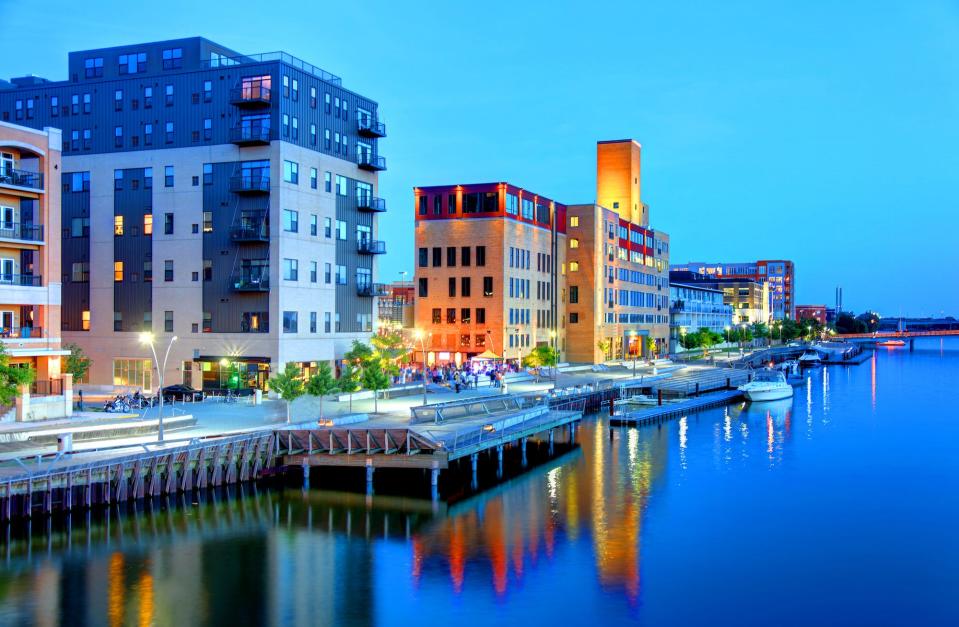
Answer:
(668, 411)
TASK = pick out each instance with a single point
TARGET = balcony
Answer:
(370, 203)
(251, 229)
(22, 232)
(255, 135)
(250, 96)
(21, 280)
(367, 161)
(21, 178)
(367, 127)
(251, 280)
(371, 290)
(250, 184)
(18, 333)
(371, 247)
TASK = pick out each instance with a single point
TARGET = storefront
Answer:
(239, 373)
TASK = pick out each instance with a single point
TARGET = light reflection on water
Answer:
(690, 522)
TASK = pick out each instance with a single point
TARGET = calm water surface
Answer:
(838, 507)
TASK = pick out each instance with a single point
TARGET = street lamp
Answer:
(552, 337)
(147, 338)
(728, 336)
(742, 338)
(418, 334)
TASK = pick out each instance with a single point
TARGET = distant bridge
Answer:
(906, 336)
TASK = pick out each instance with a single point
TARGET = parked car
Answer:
(181, 392)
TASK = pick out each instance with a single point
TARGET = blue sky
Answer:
(823, 132)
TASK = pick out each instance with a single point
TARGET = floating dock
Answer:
(660, 413)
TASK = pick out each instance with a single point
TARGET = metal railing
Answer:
(369, 202)
(257, 133)
(266, 57)
(368, 161)
(21, 280)
(371, 247)
(250, 183)
(21, 332)
(21, 178)
(26, 232)
(371, 289)
(439, 413)
(253, 281)
(47, 388)
(250, 94)
(251, 229)
(370, 128)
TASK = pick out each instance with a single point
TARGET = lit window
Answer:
(574, 266)
(148, 224)
(574, 221)
(117, 270)
(574, 243)
(85, 320)
(118, 225)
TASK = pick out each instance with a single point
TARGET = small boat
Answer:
(809, 359)
(767, 385)
(638, 400)
(891, 343)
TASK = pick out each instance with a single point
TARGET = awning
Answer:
(487, 354)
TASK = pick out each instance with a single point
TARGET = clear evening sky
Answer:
(824, 132)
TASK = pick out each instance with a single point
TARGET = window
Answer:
(80, 182)
(573, 318)
(54, 106)
(296, 128)
(450, 315)
(168, 176)
(118, 271)
(573, 294)
(327, 228)
(424, 200)
(291, 269)
(168, 270)
(423, 287)
(326, 138)
(207, 91)
(148, 271)
(512, 204)
(286, 125)
(424, 257)
(291, 221)
(437, 256)
(327, 182)
(451, 256)
(574, 221)
(326, 102)
(313, 272)
(437, 205)
(487, 286)
(208, 174)
(291, 172)
(327, 273)
(207, 269)
(465, 286)
(147, 134)
(480, 315)
(573, 242)
(289, 322)
(93, 67)
(169, 132)
(465, 315)
(80, 272)
(574, 266)
(118, 225)
(452, 286)
(75, 104)
(173, 58)
(481, 256)
(341, 230)
(117, 321)
(118, 179)
(118, 100)
(86, 103)
(326, 322)
(340, 185)
(286, 86)
(465, 256)
(118, 137)
(168, 321)
(437, 314)
(85, 320)
(313, 224)
(313, 180)
(312, 322)
(147, 97)
(207, 221)
(168, 224)
(207, 129)
(80, 227)
(340, 275)
(313, 134)
(87, 139)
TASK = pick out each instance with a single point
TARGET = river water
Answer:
(838, 507)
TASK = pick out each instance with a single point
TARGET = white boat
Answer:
(810, 358)
(638, 399)
(767, 385)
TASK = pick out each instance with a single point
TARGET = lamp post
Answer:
(552, 337)
(147, 338)
(418, 334)
(728, 336)
(742, 338)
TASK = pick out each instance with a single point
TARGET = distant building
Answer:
(748, 299)
(30, 249)
(693, 307)
(812, 312)
(778, 274)
(489, 262)
(395, 309)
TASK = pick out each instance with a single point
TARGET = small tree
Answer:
(349, 381)
(391, 346)
(652, 348)
(604, 345)
(706, 339)
(760, 330)
(359, 354)
(289, 384)
(322, 384)
(77, 363)
(374, 379)
(12, 377)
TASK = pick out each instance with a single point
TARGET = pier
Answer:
(678, 409)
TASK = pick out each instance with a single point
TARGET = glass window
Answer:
(291, 220)
(289, 322)
(291, 172)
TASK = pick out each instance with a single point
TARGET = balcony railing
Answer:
(371, 289)
(266, 57)
(25, 232)
(251, 229)
(250, 96)
(250, 184)
(370, 203)
(21, 280)
(21, 178)
(371, 247)
(368, 161)
(370, 128)
(47, 388)
(256, 280)
(251, 135)
(8, 333)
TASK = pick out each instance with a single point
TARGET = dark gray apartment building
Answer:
(228, 200)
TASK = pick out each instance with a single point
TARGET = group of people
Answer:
(465, 376)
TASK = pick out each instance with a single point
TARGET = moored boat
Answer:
(767, 385)
(891, 343)
(809, 359)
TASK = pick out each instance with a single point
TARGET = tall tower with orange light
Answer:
(618, 179)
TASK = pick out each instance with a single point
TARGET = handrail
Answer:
(21, 178)
(266, 57)
(26, 232)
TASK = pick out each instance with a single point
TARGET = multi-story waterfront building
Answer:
(395, 309)
(779, 274)
(812, 312)
(488, 269)
(30, 248)
(692, 307)
(617, 270)
(748, 299)
(228, 200)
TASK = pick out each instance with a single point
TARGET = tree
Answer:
(760, 330)
(12, 377)
(77, 363)
(604, 345)
(349, 381)
(689, 341)
(846, 323)
(706, 339)
(360, 353)
(322, 384)
(288, 383)
(374, 379)
(392, 347)
(870, 320)
(652, 347)
(789, 330)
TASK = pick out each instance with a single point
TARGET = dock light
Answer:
(489, 428)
